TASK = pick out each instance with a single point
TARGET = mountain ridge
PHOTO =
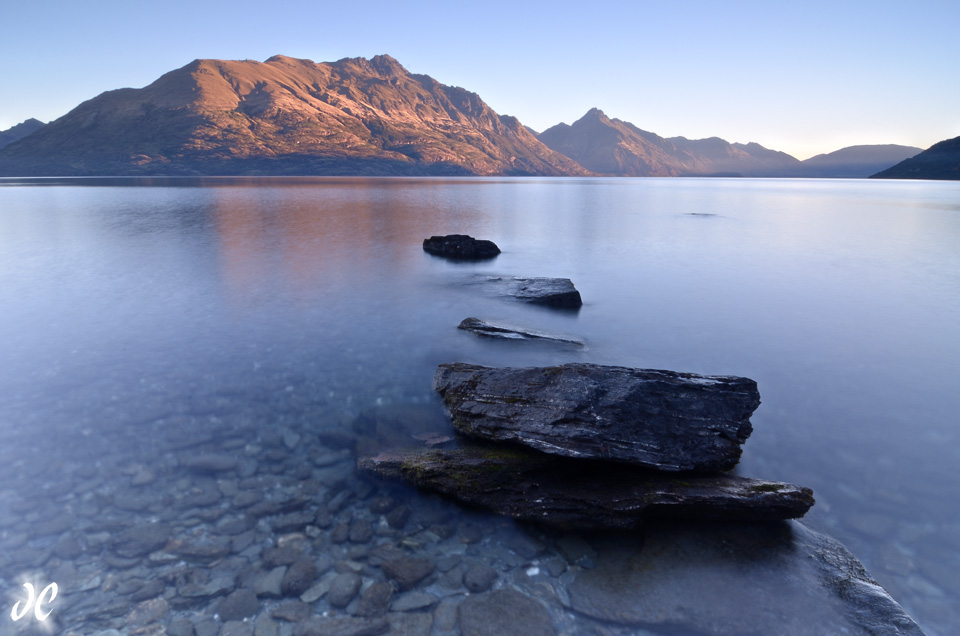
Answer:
(286, 116)
(940, 161)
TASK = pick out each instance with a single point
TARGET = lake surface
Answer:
(140, 314)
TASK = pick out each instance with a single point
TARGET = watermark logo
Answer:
(34, 602)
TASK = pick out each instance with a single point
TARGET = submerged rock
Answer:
(555, 292)
(687, 578)
(531, 486)
(658, 419)
(491, 330)
(461, 247)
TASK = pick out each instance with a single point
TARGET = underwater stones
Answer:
(460, 247)
(141, 540)
(531, 486)
(795, 581)
(658, 419)
(504, 613)
(408, 571)
(504, 332)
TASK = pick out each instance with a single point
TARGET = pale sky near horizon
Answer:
(804, 78)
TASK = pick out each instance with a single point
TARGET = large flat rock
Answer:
(658, 419)
(523, 484)
(735, 579)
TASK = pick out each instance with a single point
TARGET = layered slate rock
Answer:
(460, 247)
(553, 292)
(686, 578)
(505, 332)
(531, 486)
(662, 420)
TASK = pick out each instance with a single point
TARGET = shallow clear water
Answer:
(133, 311)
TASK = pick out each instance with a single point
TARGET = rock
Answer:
(685, 578)
(375, 600)
(504, 613)
(460, 247)
(531, 486)
(239, 605)
(209, 463)
(180, 627)
(292, 611)
(148, 612)
(343, 626)
(343, 588)
(151, 589)
(269, 584)
(141, 540)
(299, 577)
(399, 426)
(492, 330)
(659, 419)
(408, 571)
(554, 292)
(236, 628)
(412, 602)
(479, 577)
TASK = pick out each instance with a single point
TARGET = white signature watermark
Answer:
(47, 595)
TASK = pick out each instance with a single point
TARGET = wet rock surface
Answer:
(553, 292)
(657, 419)
(506, 332)
(460, 247)
(531, 486)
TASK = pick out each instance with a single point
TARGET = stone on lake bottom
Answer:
(689, 578)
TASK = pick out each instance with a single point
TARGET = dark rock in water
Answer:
(684, 578)
(659, 419)
(504, 613)
(408, 571)
(531, 486)
(460, 246)
(393, 426)
(491, 330)
(555, 292)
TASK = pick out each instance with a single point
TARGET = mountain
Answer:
(855, 162)
(736, 159)
(614, 147)
(18, 132)
(939, 161)
(285, 116)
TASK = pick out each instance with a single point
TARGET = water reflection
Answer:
(148, 321)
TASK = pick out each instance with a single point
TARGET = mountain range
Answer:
(366, 117)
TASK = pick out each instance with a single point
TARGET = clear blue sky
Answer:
(802, 77)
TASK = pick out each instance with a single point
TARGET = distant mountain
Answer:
(614, 147)
(18, 132)
(285, 116)
(854, 162)
(939, 161)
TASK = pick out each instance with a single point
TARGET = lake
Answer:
(143, 319)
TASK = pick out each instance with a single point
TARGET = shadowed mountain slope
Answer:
(286, 116)
(939, 161)
(18, 132)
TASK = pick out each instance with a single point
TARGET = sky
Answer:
(802, 77)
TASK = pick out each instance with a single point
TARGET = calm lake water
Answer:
(138, 310)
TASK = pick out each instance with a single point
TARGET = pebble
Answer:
(408, 571)
(238, 605)
(480, 577)
(412, 601)
(343, 587)
(375, 600)
(299, 577)
(269, 585)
